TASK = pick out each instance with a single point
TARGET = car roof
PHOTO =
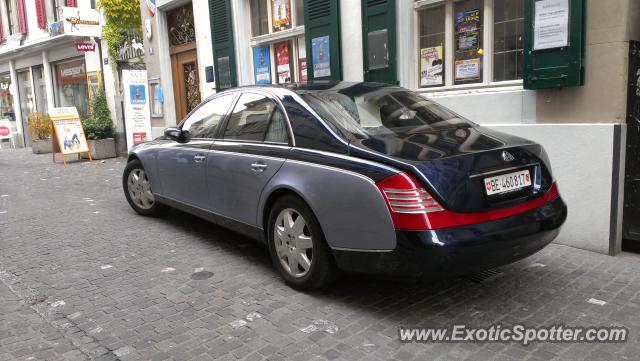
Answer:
(316, 86)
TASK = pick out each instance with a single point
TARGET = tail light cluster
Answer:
(410, 204)
(413, 208)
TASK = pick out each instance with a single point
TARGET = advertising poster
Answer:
(467, 25)
(302, 65)
(467, 69)
(321, 57)
(81, 22)
(136, 107)
(281, 15)
(262, 64)
(551, 24)
(283, 62)
(431, 66)
(68, 130)
(5, 129)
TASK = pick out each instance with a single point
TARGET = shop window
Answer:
(431, 40)
(40, 89)
(299, 12)
(259, 17)
(156, 97)
(508, 42)
(6, 99)
(467, 21)
(71, 85)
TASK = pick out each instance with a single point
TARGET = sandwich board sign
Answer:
(66, 128)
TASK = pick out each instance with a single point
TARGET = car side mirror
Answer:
(176, 134)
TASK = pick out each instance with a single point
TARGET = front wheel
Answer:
(297, 245)
(137, 190)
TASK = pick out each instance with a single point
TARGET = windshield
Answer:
(381, 111)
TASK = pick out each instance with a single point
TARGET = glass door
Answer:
(27, 101)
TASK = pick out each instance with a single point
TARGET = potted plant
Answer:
(98, 128)
(39, 126)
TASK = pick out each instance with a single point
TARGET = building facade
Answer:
(472, 56)
(40, 64)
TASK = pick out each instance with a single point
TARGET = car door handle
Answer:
(199, 158)
(258, 167)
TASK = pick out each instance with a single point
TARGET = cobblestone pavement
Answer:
(84, 277)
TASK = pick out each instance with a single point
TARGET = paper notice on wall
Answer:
(431, 66)
(467, 69)
(551, 24)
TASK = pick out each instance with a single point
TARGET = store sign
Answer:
(262, 64)
(551, 24)
(283, 62)
(81, 22)
(467, 69)
(5, 129)
(321, 56)
(73, 72)
(85, 46)
(281, 15)
(431, 66)
(136, 106)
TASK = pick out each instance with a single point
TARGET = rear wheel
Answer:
(137, 190)
(297, 245)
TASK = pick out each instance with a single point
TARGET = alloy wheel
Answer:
(293, 242)
(140, 189)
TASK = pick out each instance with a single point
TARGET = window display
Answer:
(431, 46)
(71, 86)
(6, 100)
(468, 42)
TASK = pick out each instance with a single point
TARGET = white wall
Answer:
(351, 40)
(205, 48)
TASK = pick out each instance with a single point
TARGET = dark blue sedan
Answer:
(359, 177)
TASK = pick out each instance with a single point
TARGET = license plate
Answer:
(505, 183)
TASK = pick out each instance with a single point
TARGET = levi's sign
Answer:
(85, 46)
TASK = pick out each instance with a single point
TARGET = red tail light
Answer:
(413, 208)
(409, 203)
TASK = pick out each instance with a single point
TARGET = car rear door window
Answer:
(204, 121)
(256, 118)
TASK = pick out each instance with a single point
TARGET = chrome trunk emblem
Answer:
(508, 157)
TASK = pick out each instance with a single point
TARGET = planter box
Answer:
(39, 146)
(101, 149)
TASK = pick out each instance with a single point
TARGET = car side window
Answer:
(204, 121)
(251, 118)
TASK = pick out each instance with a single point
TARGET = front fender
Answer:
(348, 205)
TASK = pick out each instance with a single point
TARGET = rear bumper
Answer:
(461, 250)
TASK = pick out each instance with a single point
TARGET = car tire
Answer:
(137, 190)
(322, 268)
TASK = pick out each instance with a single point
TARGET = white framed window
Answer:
(469, 43)
(277, 41)
(11, 16)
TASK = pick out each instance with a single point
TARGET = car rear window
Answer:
(378, 111)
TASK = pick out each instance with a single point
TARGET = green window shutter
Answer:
(379, 41)
(322, 28)
(557, 67)
(223, 49)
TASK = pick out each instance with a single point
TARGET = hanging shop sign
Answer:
(467, 69)
(151, 6)
(136, 106)
(81, 22)
(551, 24)
(321, 56)
(431, 64)
(262, 64)
(67, 130)
(281, 15)
(85, 46)
(5, 129)
(283, 63)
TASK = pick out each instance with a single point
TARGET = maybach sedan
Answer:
(357, 177)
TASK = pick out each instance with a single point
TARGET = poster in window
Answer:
(280, 15)
(431, 66)
(262, 64)
(467, 25)
(283, 63)
(551, 24)
(467, 69)
(321, 56)
(302, 65)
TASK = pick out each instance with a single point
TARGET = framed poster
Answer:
(551, 24)
(467, 26)
(280, 15)
(262, 64)
(136, 107)
(321, 56)
(467, 69)
(283, 62)
(431, 66)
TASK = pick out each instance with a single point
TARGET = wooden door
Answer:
(186, 84)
